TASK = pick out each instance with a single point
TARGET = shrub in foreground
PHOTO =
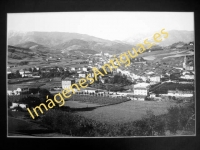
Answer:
(177, 118)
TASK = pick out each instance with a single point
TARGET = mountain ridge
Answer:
(65, 41)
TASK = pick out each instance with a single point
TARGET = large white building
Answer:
(141, 90)
(67, 82)
(178, 93)
(187, 76)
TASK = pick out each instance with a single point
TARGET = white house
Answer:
(187, 76)
(178, 93)
(8, 72)
(67, 82)
(152, 95)
(84, 69)
(72, 68)
(17, 91)
(87, 90)
(155, 78)
(106, 54)
(10, 92)
(141, 89)
(81, 75)
(21, 72)
(14, 105)
(26, 73)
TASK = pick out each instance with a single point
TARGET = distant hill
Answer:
(174, 36)
(19, 53)
(49, 39)
(65, 41)
(77, 44)
(33, 46)
(28, 45)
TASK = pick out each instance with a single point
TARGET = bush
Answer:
(9, 103)
(172, 119)
(31, 101)
(181, 118)
(75, 125)
(177, 118)
(150, 125)
(43, 95)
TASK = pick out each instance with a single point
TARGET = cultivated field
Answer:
(76, 104)
(164, 54)
(126, 112)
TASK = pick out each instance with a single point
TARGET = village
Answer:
(142, 80)
(101, 74)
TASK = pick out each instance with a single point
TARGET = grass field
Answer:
(75, 104)
(126, 112)
(155, 55)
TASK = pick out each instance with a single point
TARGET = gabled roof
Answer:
(143, 85)
(27, 71)
(67, 79)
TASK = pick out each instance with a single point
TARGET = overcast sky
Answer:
(106, 25)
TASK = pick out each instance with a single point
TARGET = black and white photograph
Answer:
(102, 74)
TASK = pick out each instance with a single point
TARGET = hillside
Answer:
(19, 53)
(49, 39)
(33, 46)
(97, 47)
(174, 36)
(65, 42)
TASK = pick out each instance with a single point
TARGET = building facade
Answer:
(67, 82)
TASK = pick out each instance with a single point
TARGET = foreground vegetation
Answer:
(178, 118)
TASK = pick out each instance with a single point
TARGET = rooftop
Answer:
(67, 79)
(142, 85)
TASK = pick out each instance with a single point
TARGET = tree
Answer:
(34, 69)
(17, 74)
(31, 101)
(39, 72)
(43, 95)
(30, 69)
(9, 103)
(155, 124)
(173, 119)
(173, 97)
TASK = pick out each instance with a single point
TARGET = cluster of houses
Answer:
(25, 72)
(146, 76)
(143, 79)
(183, 46)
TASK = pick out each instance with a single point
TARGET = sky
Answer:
(106, 25)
